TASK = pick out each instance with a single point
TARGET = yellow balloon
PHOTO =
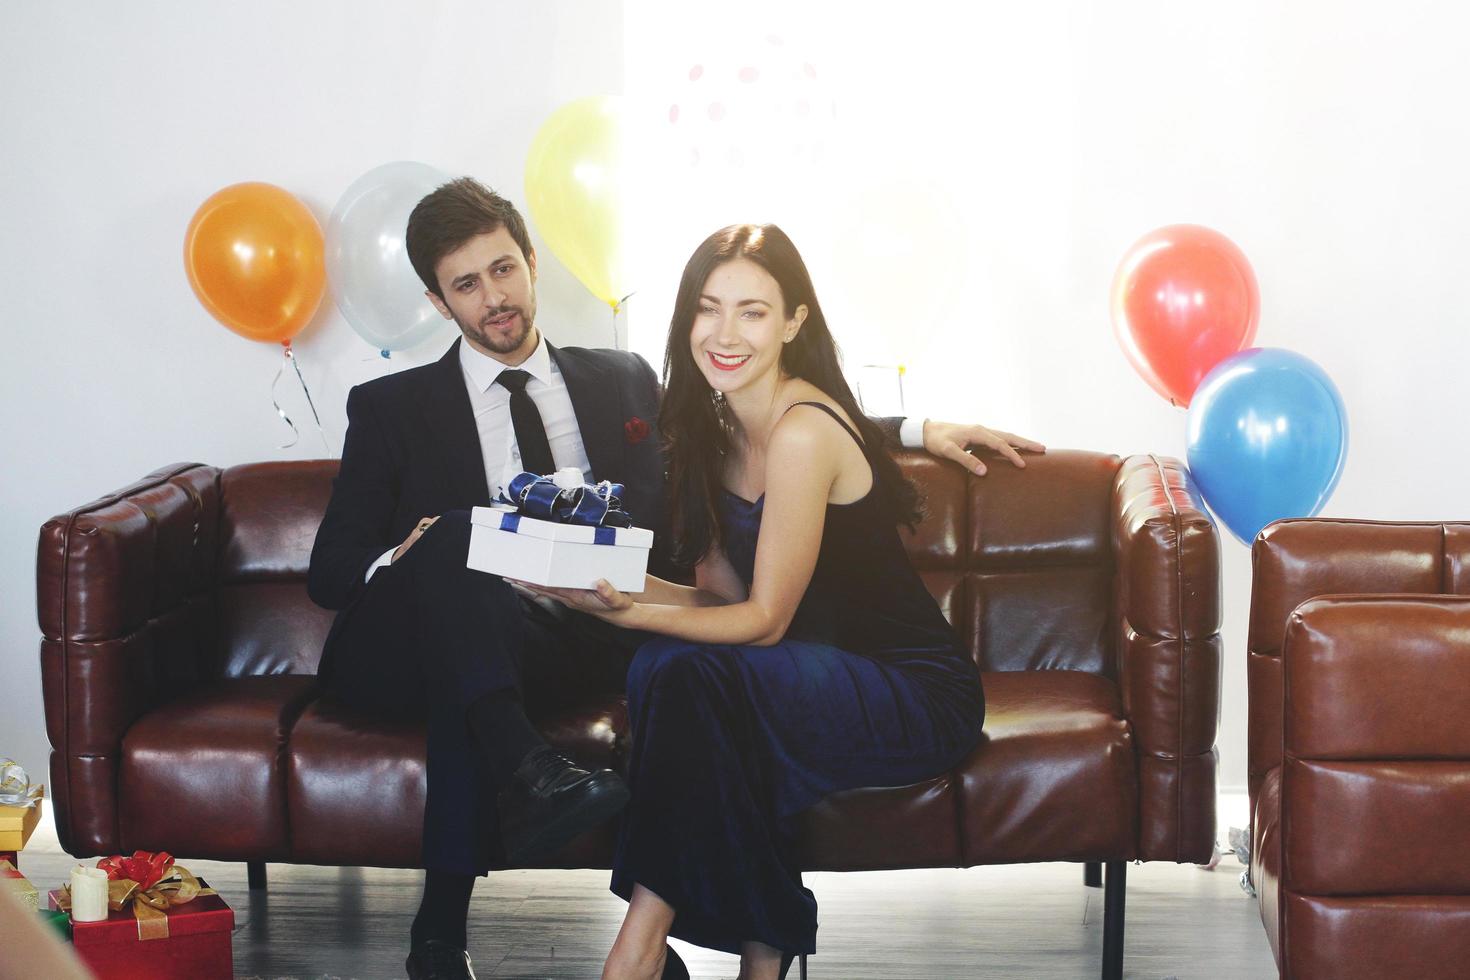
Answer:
(574, 187)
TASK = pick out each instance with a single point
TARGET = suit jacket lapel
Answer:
(599, 410)
(451, 421)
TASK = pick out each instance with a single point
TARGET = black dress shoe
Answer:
(437, 959)
(552, 800)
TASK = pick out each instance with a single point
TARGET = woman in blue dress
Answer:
(807, 658)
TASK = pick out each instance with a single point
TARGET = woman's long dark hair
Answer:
(697, 438)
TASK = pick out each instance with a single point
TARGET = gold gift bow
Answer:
(150, 906)
(15, 785)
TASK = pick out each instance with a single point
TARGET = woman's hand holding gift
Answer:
(602, 601)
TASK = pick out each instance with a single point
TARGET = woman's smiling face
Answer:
(740, 326)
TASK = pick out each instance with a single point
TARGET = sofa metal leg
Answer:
(255, 870)
(1092, 874)
(1113, 895)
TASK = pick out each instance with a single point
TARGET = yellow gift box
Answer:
(15, 883)
(16, 824)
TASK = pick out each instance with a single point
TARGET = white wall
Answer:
(118, 120)
(1021, 149)
(988, 165)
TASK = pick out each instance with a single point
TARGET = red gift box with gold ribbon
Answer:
(14, 882)
(162, 924)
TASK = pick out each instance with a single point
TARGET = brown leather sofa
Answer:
(1360, 747)
(179, 648)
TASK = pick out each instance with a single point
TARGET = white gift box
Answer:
(563, 556)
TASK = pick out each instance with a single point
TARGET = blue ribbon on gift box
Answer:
(598, 506)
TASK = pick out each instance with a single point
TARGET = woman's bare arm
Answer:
(803, 459)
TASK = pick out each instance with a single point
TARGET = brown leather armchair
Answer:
(179, 648)
(1360, 747)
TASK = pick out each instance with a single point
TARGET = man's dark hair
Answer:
(450, 216)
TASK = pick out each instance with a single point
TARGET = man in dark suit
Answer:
(417, 632)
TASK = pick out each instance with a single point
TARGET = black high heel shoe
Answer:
(786, 960)
(674, 968)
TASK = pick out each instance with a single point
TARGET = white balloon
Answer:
(368, 271)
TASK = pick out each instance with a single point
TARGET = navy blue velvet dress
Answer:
(729, 743)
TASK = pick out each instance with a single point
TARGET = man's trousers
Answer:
(428, 638)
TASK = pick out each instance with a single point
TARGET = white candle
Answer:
(88, 894)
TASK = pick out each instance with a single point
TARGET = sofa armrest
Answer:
(124, 596)
(1166, 552)
(1294, 560)
(1375, 787)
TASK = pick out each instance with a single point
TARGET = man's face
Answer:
(489, 290)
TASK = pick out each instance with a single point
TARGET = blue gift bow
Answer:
(599, 507)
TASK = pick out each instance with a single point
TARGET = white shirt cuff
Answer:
(386, 559)
(911, 432)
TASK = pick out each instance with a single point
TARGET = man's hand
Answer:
(418, 531)
(950, 440)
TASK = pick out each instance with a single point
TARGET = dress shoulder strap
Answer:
(837, 418)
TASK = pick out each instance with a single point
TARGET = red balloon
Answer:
(1184, 299)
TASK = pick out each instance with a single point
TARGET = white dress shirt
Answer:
(491, 405)
(911, 432)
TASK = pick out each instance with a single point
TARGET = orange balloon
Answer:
(1184, 298)
(253, 254)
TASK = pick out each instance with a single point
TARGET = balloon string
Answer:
(618, 308)
(296, 363)
(295, 435)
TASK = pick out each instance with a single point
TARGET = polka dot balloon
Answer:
(752, 102)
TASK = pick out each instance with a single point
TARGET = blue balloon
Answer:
(1267, 438)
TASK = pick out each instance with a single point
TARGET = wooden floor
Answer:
(1032, 921)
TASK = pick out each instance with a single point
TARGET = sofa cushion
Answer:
(1369, 937)
(269, 628)
(357, 783)
(356, 788)
(204, 776)
(1052, 514)
(1054, 777)
(1042, 619)
(874, 829)
(269, 518)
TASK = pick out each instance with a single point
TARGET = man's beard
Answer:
(500, 343)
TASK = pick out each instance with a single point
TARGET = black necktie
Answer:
(530, 433)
